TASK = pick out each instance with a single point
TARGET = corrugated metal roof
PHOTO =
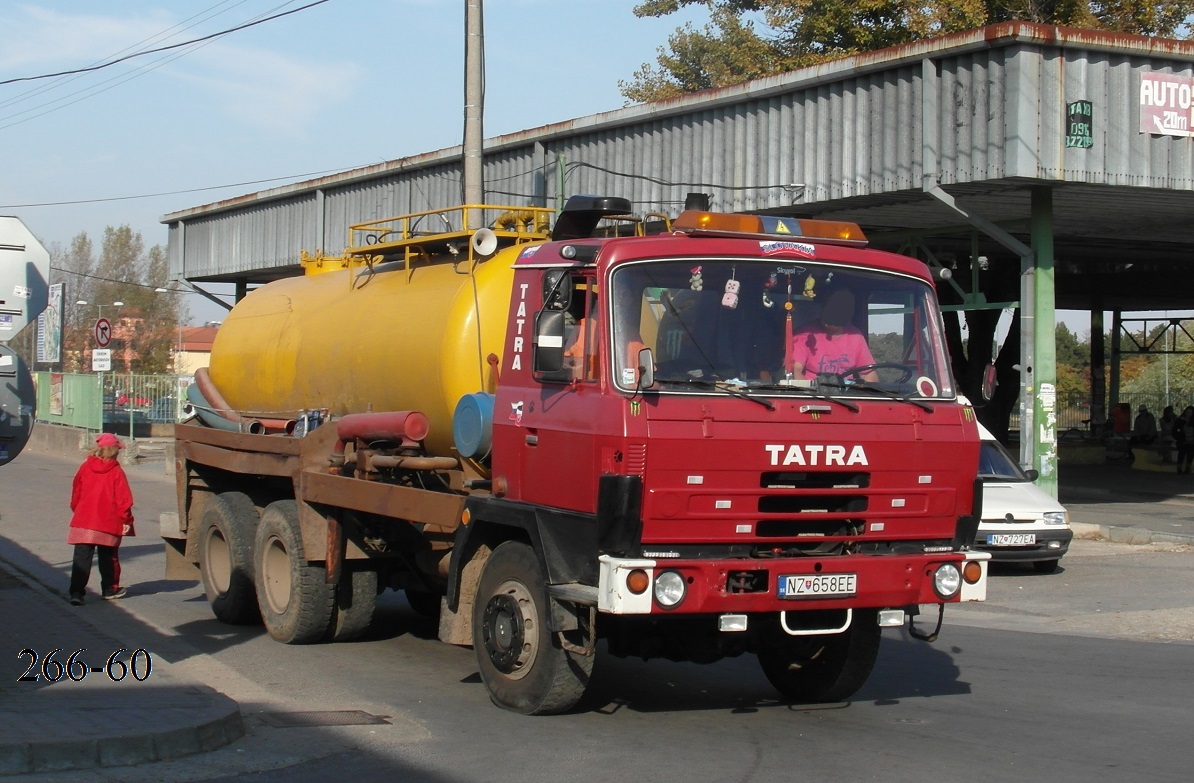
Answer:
(981, 113)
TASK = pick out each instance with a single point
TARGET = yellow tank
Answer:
(351, 341)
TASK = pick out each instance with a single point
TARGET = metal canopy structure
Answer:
(1064, 152)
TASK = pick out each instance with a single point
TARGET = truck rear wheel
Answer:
(352, 611)
(226, 532)
(294, 597)
(521, 661)
(831, 667)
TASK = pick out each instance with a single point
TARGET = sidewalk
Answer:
(1117, 482)
(100, 717)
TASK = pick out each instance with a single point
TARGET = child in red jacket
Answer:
(103, 512)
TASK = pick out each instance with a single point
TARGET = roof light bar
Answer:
(768, 226)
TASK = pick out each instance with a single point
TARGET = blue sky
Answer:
(344, 84)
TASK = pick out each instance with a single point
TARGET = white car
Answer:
(1021, 522)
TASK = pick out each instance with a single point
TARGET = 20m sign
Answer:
(1166, 104)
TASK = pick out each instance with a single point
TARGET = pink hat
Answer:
(108, 439)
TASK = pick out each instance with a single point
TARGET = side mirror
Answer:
(1033, 474)
(557, 289)
(549, 341)
(989, 382)
(646, 368)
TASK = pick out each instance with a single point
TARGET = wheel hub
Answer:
(504, 632)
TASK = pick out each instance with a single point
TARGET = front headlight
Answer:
(670, 589)
(1057, 517)
(947, 580)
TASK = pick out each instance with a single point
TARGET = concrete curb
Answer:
(1127, 535)
(59, 755)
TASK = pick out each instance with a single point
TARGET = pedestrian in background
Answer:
(1144, 428)
(1121, 419)
(102, 503)
(1183, 435)
(1165, 438)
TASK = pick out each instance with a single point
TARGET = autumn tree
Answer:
(731, 48)
(147, 319)
(74, 266)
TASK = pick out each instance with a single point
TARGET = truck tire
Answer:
(226, 532)
(294, 597)
(521, 661)
(812, 669)
(352, 611)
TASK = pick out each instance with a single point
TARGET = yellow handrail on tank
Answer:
(446, 231)
(634, 225)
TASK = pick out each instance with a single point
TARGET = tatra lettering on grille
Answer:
(813, 454)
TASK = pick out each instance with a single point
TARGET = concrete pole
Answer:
(474, 75)
(1098, 366)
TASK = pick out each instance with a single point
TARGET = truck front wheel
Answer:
(521, 661)
(294, 597)
(829, 667)
(226, 557)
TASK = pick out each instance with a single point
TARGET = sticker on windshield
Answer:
(776, 248)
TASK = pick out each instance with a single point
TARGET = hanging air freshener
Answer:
(695, 282)
(730, 297)
(767, 291)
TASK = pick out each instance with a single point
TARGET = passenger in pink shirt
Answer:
(832, 345)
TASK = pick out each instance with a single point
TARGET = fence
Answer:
(111, 402)
(1073, 410)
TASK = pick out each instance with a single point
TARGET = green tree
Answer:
(1070, 351)
(730, 49)
(1073, 366)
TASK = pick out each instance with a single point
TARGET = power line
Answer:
(91, 91)
(169, 192)
(162, 48)
(186, 24)
(97, 277)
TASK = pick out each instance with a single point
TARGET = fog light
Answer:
(972, 572)
(637, 581)
(669, 589)
(947, 580)
(1054, 545)
(730, 623)
(891, 618)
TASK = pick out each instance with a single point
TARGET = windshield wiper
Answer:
(729, 388)
(805, 391)
(885, 392)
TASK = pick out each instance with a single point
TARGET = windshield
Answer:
(810, 326)
(995, 464)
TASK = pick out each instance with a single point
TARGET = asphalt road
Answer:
(1081, 675)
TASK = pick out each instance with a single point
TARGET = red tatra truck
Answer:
(736, 435)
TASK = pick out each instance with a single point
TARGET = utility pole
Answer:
(474, 95)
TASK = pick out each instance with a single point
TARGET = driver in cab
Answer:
(832, 344)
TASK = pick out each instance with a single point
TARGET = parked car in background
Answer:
(1021, 522)
(164, 410)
